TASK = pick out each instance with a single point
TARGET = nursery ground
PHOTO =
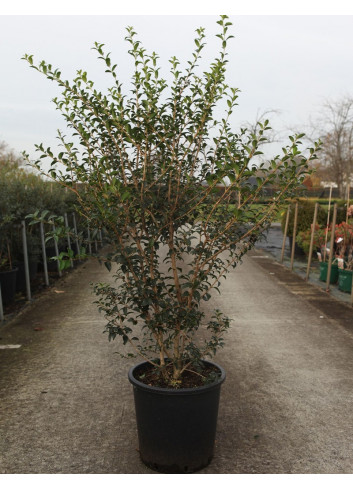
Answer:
(286, 406)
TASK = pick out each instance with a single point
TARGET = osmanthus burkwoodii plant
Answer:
(175, 190)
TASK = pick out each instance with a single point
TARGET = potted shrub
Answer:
(150, 167)
(306, 209)
(303, 239)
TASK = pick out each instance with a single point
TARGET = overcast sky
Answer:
(287, 63)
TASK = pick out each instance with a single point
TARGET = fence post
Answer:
(328, 222)
(352, 294)
(25, 257)
(89, 241)
(348, 199)
(294, 235)
(312, 241)
(285, 234)
(57, 252)
(68, 238)
(329, 265)
(76, 238)
(96, 245)
(44, 254)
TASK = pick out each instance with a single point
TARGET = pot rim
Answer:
(345, 271)
(169, 391)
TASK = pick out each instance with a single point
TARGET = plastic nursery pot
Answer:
(345, 280)
(8, 285)
(323, 272)
(298, 250)
(176, 427)
(21, 275)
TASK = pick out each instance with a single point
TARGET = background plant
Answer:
(344, 239)
(305, 216)
(150, 165)
(304, 237)
(23, 192)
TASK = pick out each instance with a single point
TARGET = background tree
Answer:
(8, 159)
(335, 129)
(254, 127)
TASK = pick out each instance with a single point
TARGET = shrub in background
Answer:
(23, 192)
(305, 216)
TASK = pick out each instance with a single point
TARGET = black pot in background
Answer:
(21, 276)
(8, 285)
(176, 427)
(298, 250)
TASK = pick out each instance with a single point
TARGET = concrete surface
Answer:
(286, 406)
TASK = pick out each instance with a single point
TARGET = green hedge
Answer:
(306, 215)
(22, 193)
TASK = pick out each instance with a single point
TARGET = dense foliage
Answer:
(150, 164)
(305, 216)
(21, 193)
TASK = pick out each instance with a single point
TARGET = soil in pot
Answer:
(176, 427)
(209, 373)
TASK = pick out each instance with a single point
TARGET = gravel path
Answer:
(286, 407)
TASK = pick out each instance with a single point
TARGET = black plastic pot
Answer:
(176, 427)
(21, 275)
(8, 285)
(298, 250)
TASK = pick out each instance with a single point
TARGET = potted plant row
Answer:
(8, 269)
(149, 163)
(321, 237)
(22, 192)
(341, 267)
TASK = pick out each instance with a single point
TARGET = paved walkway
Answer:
(286, 406)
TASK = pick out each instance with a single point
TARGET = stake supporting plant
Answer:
(76, 236)
(294, 235)
(352, 294)
(332, 244)
(66, 222)
(311, 241)
(348, 201)
(56, 247)
(285, 233)
(25, 258)
(328, 221)
(44, 254)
